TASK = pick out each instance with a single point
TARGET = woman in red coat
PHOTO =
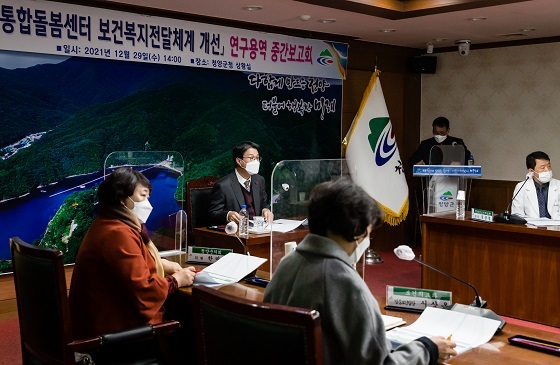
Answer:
(119, 280)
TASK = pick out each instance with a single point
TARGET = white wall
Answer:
(503, 102)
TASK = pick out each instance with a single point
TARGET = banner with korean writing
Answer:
(66, 104)
(73, 30)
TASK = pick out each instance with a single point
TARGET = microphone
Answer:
(404, 252)
(508, 218)
(231, 228)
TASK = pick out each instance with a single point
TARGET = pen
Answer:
(449, 337)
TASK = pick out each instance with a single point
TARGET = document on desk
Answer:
(542, 222)
(286, 225)
(229, 269)
(466, 330)
(391, 321)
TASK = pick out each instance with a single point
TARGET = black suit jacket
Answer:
(227, 196)
(423, 151)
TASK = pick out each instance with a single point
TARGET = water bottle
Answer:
(460, 205)
(470, 161)
(243, 222)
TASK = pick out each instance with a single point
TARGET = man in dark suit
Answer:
(241, 187)
(440, 129)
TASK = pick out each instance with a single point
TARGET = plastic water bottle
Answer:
(243, 222)
(460, 205)
(470, 162)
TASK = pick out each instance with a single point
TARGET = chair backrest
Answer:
(230, 328)
(42, 302)
(198, 202)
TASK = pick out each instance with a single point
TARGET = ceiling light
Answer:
(327, 21)
(477, 19)
(387, 30)
(439, 39)
(527, 30)
(304, 18)
(252, 7)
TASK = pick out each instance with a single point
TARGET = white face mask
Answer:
(359, 251)
(439, 138)
(545, 177)
(142, 209)
(252, 167)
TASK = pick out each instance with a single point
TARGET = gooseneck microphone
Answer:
(231, 228)
(508, 218)
(404, 252)
(476, 308)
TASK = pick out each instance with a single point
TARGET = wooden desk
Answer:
(515, 268)
(497, 351)
(257, 244)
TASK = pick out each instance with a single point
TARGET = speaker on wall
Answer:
(422, 64)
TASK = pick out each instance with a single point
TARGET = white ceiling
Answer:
(541, 15)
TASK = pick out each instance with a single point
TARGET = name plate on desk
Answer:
(482, 215)
(416, 300)
(447, 170)
(206, 255)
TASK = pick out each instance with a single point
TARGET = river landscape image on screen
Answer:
(61, 117)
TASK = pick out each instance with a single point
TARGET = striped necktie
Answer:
(247, 184)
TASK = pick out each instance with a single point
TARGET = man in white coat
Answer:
(539, 198)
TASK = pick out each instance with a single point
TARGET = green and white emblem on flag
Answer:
(373, 157)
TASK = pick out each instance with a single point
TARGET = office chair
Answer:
(44, 314)
(230, 328)
(198, 202)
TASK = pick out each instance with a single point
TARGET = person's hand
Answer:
(446, 348)
(185, 277)
(170, 267)
(421, 162)
(233, 217)
(268, 216)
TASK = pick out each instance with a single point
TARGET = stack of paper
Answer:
(392, 322)
(229, 269)
(466, 330)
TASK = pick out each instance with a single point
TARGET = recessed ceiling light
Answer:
(439, 39)
(387, 30)
(252, 7)
(527, 30)
(304, 18)
(477, 19)
(327, 21)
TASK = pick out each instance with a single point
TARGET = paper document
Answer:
(392, 322)
(542, 222)
(466, 330)
(229, 269)
(286, 225)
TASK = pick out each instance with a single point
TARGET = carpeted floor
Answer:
(391, 272)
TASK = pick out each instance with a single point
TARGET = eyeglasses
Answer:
(253, 158)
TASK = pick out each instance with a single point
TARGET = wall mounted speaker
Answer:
(422, 64)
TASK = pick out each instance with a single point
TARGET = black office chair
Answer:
(230, 328)
(44, 316)
(198, 203)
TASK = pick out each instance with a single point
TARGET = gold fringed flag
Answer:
(373, 157)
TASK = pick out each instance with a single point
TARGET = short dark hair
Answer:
(441, 122)
(531, 162)
(239, 150)
(120, 184)
(341, 207)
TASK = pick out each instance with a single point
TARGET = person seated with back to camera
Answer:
(119, 281)
(540, 197)
(319, 274)
(243, 186)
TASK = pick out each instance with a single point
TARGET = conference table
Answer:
(515, 268)
(256, 244)
(496, 351)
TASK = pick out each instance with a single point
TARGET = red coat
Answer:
(114, 285)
